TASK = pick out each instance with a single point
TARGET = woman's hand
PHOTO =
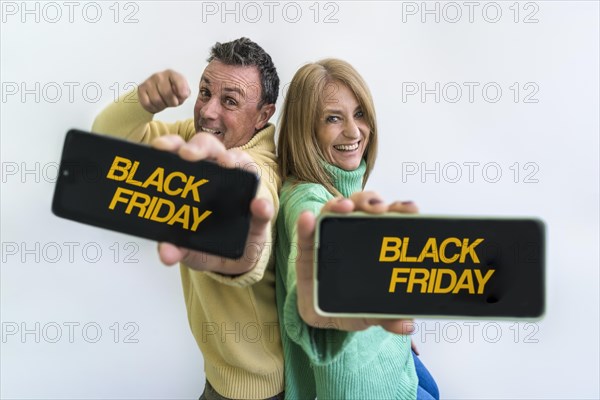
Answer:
(369, 202)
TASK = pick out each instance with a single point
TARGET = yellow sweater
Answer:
(233, 319)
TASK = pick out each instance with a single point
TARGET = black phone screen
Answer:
(138, 190)
(426, 266)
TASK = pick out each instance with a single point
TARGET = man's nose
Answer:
(211, 109)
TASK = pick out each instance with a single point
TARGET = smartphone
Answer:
(138, 190)
(397, 266)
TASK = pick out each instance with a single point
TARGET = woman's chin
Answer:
(348, 165)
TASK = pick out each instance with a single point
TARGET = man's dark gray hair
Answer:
(245, 52)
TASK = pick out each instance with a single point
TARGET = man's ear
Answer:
(266, 112)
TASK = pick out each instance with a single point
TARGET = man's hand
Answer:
(363, 201)
(204, 146)
(162, 90)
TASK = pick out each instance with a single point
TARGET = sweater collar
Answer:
(262, 139)
(347, 182)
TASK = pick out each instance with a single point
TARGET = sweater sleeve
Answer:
(127, 119)
(321, 345)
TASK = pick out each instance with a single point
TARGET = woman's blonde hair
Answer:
(299, 155)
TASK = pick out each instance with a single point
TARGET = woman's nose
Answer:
(351, 129)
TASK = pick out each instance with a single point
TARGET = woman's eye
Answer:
(332, 118)
(359, 114)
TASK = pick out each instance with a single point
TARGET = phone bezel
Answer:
(324, 313)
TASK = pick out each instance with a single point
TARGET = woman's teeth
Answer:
(346, 147)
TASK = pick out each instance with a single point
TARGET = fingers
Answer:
(361, 201)
(179, 86)
(262, 212)
(200, 147)
(150, 97)
(170, 143)
(399, 326)
(204, 146)
(163, 89)
(304, 267)
(170, 254)
(241, 159)
(407, 207)
(306, 233)
(369, 201)
(338, 205)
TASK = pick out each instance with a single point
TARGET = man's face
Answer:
(227, 103)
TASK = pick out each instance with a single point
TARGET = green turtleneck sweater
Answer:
(327, 363)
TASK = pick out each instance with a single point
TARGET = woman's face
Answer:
(342, 131)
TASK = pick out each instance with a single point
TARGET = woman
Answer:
(327, 148)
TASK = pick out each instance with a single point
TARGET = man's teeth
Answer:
(346, 147)
(213, 131)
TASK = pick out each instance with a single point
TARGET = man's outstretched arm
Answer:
(131, 115)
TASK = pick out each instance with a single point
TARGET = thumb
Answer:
(306, 245)
(262, 213)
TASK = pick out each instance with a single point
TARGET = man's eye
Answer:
(204, 93)
(230, 102)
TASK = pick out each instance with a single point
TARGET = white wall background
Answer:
(91, 314)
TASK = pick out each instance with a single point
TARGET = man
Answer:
(225, 299)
